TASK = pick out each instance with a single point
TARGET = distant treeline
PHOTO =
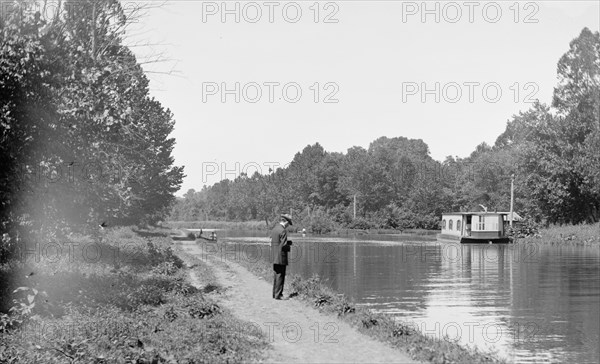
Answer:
(552, 151)
(82, 142)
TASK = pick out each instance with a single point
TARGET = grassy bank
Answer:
(122, 298)
(381, 327)
(568, 235)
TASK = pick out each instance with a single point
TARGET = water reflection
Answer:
(530, 304)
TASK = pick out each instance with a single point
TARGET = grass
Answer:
(381, 327)
(570, 235)
(122, 297)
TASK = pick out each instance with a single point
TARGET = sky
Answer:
(251, 84)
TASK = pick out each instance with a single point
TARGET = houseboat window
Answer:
(450, 225)
(458, 225)
(444, 224)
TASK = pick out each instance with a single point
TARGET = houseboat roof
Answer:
(477, 213)
(516, 217)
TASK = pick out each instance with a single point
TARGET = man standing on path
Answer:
(280, 247)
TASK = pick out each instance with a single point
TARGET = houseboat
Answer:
(474, 227)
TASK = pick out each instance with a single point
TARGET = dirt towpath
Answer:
(297, 333)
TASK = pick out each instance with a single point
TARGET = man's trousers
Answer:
(278, 280)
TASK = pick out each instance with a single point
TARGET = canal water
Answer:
(535, 303)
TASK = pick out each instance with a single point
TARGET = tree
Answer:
(559, 156)
(27, 116)
(75, 110)
(302, 174)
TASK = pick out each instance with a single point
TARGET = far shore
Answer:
(262, 226)
(572, 235)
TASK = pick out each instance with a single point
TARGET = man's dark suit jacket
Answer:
(279, 247)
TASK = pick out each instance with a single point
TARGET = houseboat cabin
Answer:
(474, 227)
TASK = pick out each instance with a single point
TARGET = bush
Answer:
(204, 309)
(344, 307)
(390, 217)
(341, 214)
(165, 268)
(161, 255)
(308, 287)
(360, 223)
(524, 229)
(146, 294)
(320, 222)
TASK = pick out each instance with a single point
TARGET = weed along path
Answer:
(297, 333)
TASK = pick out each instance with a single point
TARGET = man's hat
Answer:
(288, 217)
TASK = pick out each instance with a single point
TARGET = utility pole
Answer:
(512, 188)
